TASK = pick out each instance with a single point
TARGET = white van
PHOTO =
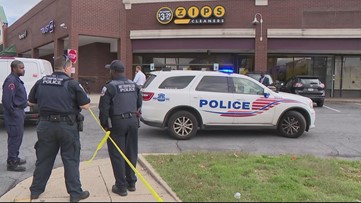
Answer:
(35, 69)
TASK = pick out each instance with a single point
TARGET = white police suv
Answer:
(185, 101)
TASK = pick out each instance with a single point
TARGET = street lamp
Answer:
(255, 22)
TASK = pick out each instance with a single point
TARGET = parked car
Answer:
(272, 85)
(185, 101)
(308, 86)
(35, 69)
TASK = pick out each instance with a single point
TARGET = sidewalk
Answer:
(96, 177)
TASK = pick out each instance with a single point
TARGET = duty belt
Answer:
(56, 118)
(124, 115)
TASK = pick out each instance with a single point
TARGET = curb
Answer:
(358, 101)
(145, 164)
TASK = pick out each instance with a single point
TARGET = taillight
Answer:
(297, 84)
(147, 96)
(322, 85)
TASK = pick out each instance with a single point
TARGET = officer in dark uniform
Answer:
(60, 100)
(119, 104)
(14, 101)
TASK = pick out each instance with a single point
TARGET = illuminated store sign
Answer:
(191, 15)
(48, 28)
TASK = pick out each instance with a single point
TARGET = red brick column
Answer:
(58, 48)
(35, 53)
(260, 49)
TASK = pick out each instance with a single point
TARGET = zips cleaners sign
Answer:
(191, 15)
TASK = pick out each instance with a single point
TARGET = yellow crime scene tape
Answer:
(100, 145)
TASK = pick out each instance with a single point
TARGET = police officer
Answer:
(14, 101)
(119, 105)
(60, 100)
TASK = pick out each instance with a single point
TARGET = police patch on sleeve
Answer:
(11, 86)
(103, 91)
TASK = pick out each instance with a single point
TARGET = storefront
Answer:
(284, 38)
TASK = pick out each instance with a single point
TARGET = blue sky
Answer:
(14, 9)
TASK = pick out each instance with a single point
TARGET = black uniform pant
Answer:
(53, 136)
(14, 125)
(125, 133)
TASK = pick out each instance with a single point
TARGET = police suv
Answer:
(185, 101)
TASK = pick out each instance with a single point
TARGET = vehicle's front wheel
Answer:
(320, 103)
(182, 125)
(292, 124)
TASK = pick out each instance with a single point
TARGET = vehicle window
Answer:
(245, 86)
(213, 84)
(149, 80)
(177, 82)
(309, 81)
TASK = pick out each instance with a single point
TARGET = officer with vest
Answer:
(119, 106)
(14, 101)
(60, 100)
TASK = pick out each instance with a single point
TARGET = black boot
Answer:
(14, 166)
(83, 195)
(21, 161)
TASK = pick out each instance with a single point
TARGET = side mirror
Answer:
(266, 94)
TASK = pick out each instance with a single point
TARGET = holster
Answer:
(80, 121)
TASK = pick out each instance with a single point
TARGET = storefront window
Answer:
(302, 66)
(245, 64)
(280, 68)
(195, 61)
(351, 79)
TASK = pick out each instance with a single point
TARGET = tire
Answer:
(320, 103)
(182, 125)
(292, 124)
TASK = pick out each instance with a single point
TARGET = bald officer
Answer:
(14, 101)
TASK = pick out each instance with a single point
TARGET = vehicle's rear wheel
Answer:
(292, 124)
(320, 103)
(182, 125)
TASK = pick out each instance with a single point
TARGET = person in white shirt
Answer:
(139, 77)
(264, 80)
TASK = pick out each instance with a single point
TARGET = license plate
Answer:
(310, 89)
(27, 109)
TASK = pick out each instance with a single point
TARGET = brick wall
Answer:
(92, 59)
(108, 18)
